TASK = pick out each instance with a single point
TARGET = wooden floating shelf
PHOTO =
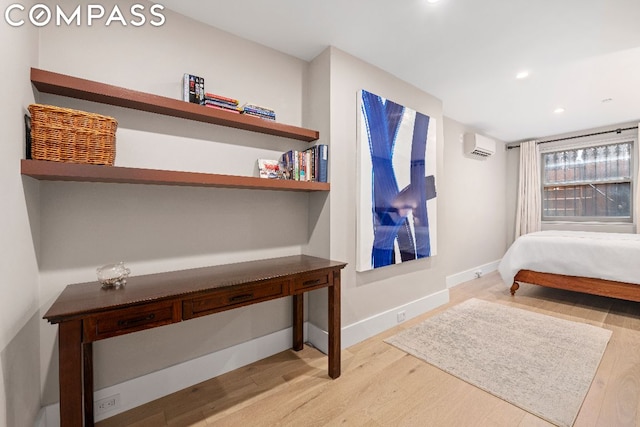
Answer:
(55, 171)
(73, 87)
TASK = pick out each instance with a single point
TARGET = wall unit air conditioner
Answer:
(478, 145)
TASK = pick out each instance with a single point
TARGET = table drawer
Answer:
(127, 320)
(225, 299)
(311, 281)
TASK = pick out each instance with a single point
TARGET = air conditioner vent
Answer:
(478, 145)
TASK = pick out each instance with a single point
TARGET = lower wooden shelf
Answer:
(56, 171)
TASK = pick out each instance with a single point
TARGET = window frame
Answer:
(583, 145)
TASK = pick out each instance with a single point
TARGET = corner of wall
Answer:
(20, 303)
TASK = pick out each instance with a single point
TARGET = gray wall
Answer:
(158, 228)
(373, 292)
(471, 208)
(19, 314)
(475, 210)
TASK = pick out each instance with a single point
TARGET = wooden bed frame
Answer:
(588, 285)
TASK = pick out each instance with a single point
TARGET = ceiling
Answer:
(581, 55)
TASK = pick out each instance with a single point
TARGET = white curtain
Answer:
(637, 182)
(529, 208)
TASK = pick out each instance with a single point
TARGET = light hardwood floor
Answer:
(383, 386)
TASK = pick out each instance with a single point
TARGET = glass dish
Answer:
(113, 275)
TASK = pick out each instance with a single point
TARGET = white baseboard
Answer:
(144, 389)
(366, 328)
(465, 276)
(319, 338)
(41, 419)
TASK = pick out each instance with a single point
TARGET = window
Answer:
(588, 184)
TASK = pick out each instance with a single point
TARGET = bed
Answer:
(606, 264)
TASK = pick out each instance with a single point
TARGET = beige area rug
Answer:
(539, 363)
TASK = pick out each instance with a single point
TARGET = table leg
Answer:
(298, 321)
(334, 326)
(87, 353)
(70, 372)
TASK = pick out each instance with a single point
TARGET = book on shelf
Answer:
(217, 107)
(258, 113)
(200, 90)
(193, 89)
(302, 166)
(220, 98)
(287, 165)
(252, 109)
(258, 108)
(225, 105)
(322, 158)
(262, 116)
(188, 87)
(307, 165)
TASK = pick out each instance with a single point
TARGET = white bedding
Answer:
(610, 256)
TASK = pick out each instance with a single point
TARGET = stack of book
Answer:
(221, 102)
(307, 165)
(258, 111)
(193, 89)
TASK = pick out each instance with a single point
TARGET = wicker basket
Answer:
(73, 136)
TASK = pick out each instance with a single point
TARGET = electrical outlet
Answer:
(401, 316)
(107, 404)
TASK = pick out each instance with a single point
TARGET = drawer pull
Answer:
(242, 297)
(136, 320)
(311, 282)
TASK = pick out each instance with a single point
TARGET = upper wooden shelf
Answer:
(62, 84)
(55, 171)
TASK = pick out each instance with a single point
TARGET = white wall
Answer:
(19, 315)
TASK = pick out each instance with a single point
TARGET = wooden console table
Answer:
(86, 313)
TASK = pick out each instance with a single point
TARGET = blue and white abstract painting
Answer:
(397, 186)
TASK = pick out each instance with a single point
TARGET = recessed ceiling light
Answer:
(433, 1)
(559, 110)
(522, 75)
